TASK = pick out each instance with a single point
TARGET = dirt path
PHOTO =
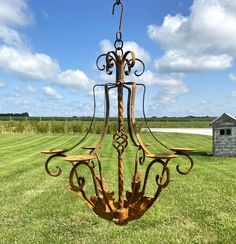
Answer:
(197, 131)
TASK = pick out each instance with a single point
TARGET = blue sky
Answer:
(48, 51)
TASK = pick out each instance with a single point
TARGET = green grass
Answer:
(37, 208)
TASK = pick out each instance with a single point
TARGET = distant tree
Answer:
(14, 115)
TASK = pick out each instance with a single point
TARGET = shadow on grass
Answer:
(201, 153)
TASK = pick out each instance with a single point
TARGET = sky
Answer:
(48, 51)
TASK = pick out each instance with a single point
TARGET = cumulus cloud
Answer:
(18, 59)
(204, 40)
(170, 86)
(52, 93)
(179, 61)
(27, 65)
(74, 78)
(15, 13)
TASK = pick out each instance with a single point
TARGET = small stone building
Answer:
(224, 135)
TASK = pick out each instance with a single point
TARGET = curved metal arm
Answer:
(60, 151)
(100, 142)
(141, 144)
(159, 178)
(145, 118)
(58, 173)
(81, 181)
(191, 164)
(132, 136)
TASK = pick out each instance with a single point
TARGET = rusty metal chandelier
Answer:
(134, 203)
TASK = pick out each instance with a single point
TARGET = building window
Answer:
(227, 132)
(222, 132)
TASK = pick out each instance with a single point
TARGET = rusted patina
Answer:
(131, 204)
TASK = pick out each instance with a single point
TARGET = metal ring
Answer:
(118, 42)
(119, 35)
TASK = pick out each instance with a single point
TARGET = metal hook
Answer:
(118, 2)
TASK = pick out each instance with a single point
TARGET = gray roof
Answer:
(223, 115)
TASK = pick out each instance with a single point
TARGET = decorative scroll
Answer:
(126, 61)
(189, 169)
(59, 171)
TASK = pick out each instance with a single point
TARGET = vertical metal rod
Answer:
(120, 81)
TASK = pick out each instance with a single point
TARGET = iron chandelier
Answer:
(134, 203)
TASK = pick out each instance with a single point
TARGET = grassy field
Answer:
(71, 126)
(37, 208)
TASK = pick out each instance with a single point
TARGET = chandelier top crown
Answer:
(122, 61)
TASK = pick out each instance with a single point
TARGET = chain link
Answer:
(118, 44)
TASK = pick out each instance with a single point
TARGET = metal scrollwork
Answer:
(59, 171)
(112, 59)
(189, 169)
(80, 179)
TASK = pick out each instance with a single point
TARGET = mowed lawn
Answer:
(37, 208)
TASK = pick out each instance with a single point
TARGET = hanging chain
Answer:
(118, 44)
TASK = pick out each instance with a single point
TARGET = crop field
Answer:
(37, 208)
(79, 125)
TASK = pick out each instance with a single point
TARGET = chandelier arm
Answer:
(81, 180)
(102, 184)
(57, 167)
(141, 144)
(139, 159)
(82, 191)
(132, 137)
(165, 170)
(100, 142)
(159, 189)
(62, 151)
(93, 118)
(145, 118)
(191, 164)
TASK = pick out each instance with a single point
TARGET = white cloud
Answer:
(74, 78)
(169, 86)
(11, 37)
(179, 61)
(208, 32)
(2, 84)
(27, 65)
(171, 89)
(52, 93)
(232, 77)
(140, 52)
(15, 13)
(18, 59)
